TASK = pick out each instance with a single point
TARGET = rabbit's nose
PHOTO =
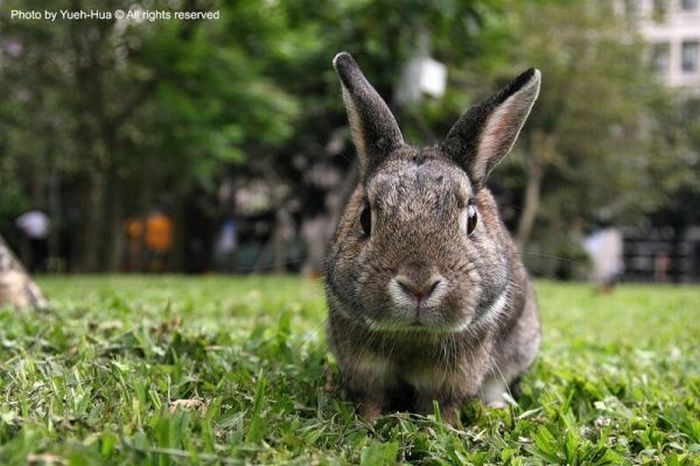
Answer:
(420, 290)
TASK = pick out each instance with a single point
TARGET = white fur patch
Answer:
(491, 314)
(438, 293)
(495, 388)
(494, 391)
(402, 300)
(399, 296)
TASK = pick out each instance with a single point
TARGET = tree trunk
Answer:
(116, 246)
(92, 226)
(531, 204)
(282, 233)
(114, 231)
(176, 261)
(55, 265)
(542, 151)
(16, 287)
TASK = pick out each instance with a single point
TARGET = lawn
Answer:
(171, 370)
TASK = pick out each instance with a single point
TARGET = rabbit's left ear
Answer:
(485, 134)
(374, 128)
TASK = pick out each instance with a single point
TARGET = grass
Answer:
(170, 370)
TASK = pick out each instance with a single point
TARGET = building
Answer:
(666, 246)
(672, 28)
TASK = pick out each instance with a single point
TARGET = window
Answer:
(689, 5)
(660, 9)
(661, 57)
(690, 55)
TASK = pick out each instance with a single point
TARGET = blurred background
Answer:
(221, 145)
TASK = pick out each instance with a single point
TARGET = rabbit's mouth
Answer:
(420, 306)
(418, 319)
(437, 311)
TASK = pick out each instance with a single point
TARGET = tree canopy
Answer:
(101, 119)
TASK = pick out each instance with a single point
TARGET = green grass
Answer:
(97, 379)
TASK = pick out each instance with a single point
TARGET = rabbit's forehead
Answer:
(432, 180)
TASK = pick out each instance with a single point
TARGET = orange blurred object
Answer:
(159, 232)
(134, 228)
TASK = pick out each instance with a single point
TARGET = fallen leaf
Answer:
(189, 405)
(45, 459)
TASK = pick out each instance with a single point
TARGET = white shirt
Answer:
(605, 249)
(34, 224)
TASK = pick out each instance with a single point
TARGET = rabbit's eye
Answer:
(366, 220)
(471, 219)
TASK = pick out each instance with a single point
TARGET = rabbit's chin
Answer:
(403, 325)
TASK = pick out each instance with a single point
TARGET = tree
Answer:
(297, 44)
(599, 140)
(119, 113)
(104, 119)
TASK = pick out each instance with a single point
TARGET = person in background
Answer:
(225, 246)
(662, 266)
(158, 240)
(34, 225)
(134, 227)
(604, 246)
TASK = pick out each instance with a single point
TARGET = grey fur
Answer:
(373, 126)
(419, 310)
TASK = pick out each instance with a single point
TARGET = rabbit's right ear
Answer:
(374, 128)
(485, 134)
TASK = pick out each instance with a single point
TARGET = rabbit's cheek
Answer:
(368, 288)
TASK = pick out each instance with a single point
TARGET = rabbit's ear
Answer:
(485, 134)
(374, 128)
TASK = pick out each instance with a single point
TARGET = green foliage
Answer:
(121, 115)
(111, 118)
(379, 454)
(605, 132)
(168, 370)
(199, 94)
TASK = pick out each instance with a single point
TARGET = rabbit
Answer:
(428, 298)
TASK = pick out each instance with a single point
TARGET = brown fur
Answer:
(478, 326)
